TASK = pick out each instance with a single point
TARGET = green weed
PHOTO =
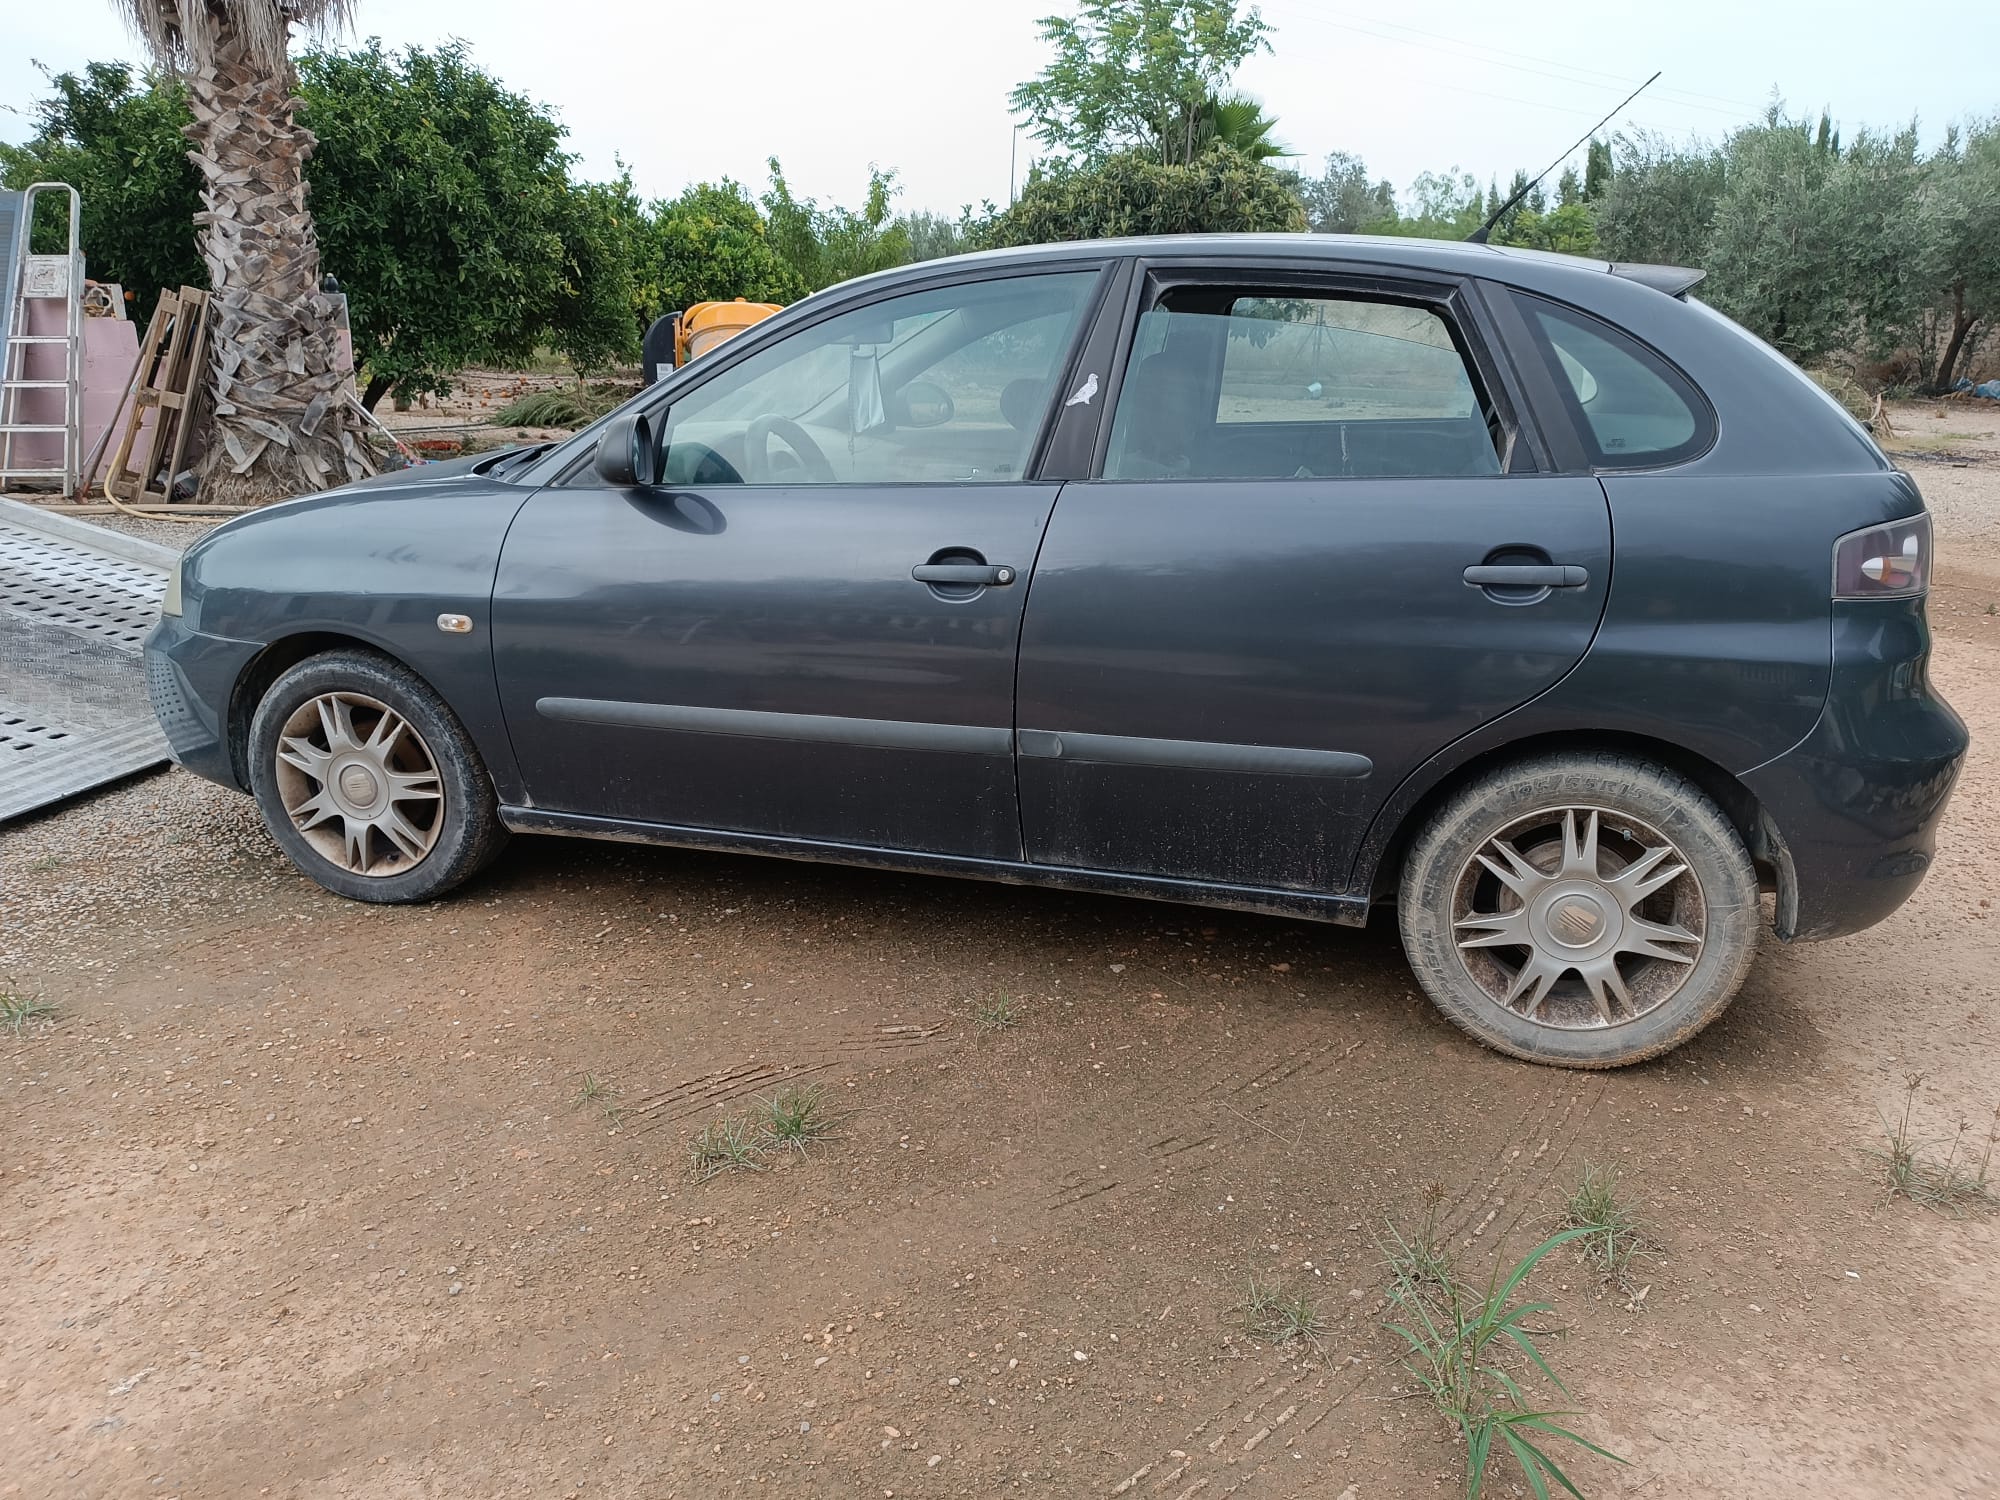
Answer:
(1957, 1182)
(19, 1012)
(725, 1146)
(594, 1090)
(996, 1014)
(1461, 1343)
(1613, 1235)
(1269, 1311)
(795, 1117)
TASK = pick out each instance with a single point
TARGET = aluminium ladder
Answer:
(24, 366)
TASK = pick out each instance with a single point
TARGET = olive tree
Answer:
(1961, 232)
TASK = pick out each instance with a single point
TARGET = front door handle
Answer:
(978, 575)
(1527, 576)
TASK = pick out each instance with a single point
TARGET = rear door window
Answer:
(1243, 385)
(1634, 410)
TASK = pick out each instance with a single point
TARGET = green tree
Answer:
(1567, 229)
(1131, 193)
(1873, 214)
(1439, 206)
(1597, 170)
(590, 315)
(1961, 235)
(1775, 260)
(1659, 205)
(708, 245)
(932, 236)
(826, 245)
(442, 200)
(116, 137)
(1136, 74)
(1343, 199)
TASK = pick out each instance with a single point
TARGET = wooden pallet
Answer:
(172, 379)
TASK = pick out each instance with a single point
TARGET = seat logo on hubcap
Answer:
(358, 786)
(1575, 922)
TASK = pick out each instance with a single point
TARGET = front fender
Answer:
(377, 564)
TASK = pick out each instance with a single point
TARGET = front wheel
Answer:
(1587, 910)
(369, 782)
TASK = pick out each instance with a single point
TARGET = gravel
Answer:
(149, 858)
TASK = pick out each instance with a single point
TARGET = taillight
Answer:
(1884, 562)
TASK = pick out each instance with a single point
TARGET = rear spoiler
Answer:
(1675, 281)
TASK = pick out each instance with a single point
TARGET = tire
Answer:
(429, 822)
(1586, 884)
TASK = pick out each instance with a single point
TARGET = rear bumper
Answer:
(1853, 810)
(190, 678)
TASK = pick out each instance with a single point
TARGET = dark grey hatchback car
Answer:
(1294, 574)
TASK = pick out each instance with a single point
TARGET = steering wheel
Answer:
(757, 450)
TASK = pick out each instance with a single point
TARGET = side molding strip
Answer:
(1190, 755)
(1313, 906)
(823, 729)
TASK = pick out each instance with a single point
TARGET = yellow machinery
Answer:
(707, 324)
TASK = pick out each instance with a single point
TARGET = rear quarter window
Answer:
(1632, 409)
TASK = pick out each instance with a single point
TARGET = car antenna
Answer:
(1478, 236)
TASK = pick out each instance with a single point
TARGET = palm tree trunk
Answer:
(281, 422)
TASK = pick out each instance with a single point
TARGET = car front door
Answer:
(1318, 552)
(808, 630)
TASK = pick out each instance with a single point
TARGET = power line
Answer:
(1473, 52)
(1736, 105)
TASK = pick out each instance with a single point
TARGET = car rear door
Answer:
(1322, 544)
(809, 629)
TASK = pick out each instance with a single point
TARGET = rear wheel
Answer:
(1585, 910)
(369, 782)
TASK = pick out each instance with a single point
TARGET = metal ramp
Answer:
(41, 373)
(75, 607)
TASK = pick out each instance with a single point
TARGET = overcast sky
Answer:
(690, 92)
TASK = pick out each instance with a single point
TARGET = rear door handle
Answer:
(980, 575)
(1527, 576)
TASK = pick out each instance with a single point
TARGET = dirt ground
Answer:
(299, 1197)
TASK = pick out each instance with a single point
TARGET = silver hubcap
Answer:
(1577, 917)
(360, 784)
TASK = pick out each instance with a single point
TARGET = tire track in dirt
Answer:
(735, 1080)
(1275, 1414)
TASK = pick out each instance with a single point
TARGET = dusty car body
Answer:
(1292, 573)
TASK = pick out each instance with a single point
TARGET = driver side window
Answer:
(947, 385)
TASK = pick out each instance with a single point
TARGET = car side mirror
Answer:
(921, 404)
(628, 455)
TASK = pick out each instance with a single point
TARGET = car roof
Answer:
(1515, 265)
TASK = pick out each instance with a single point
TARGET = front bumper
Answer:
(191, 679)
(1852, 812)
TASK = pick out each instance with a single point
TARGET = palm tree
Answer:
(282, 419)
(1236, 121)
(1239, 122)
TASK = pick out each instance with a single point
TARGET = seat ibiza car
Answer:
(1297, 574)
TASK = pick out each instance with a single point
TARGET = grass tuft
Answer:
(726, 1146)
(1613, 1235)
(795, 1117)
(1953, 1181)
(594, 1090)
(20, 1012)
(1271, 1312)
(1471, 1351)
(996, 1014)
